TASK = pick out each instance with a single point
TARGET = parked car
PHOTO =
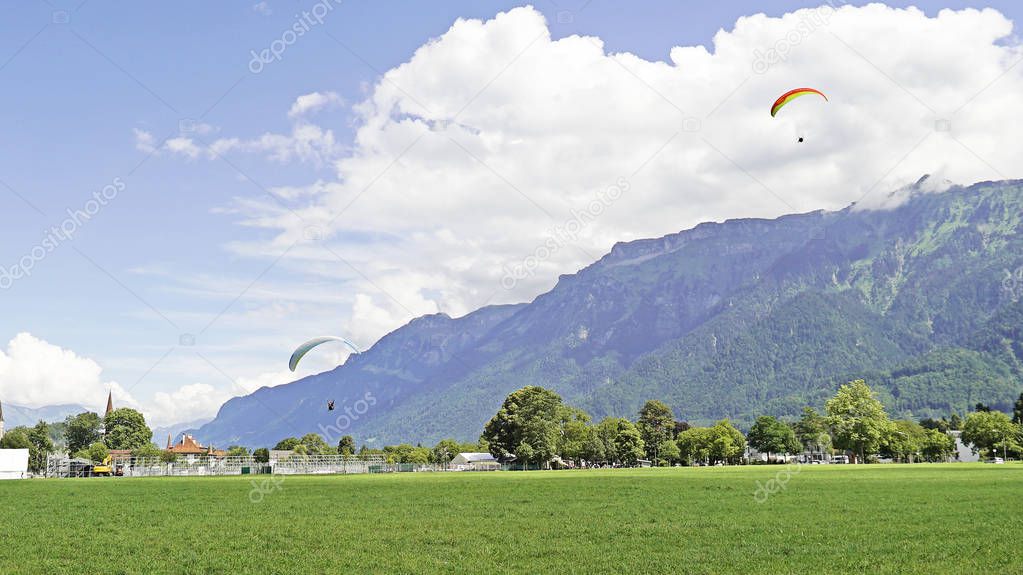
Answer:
(840, 459)
(996, 460)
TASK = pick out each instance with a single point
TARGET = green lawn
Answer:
(960, 518)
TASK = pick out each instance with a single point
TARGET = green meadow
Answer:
(957, 518)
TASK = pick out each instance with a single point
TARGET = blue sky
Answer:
(181, 254)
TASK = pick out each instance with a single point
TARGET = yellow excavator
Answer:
(103, 469)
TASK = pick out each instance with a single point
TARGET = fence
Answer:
(60, 465)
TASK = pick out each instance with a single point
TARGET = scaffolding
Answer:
(60, 465)
(298, 464)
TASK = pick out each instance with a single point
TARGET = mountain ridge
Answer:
(723, 319)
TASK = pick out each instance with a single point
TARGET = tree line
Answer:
(535, 427)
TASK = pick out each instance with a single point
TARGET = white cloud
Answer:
(144, 141)
(262, 8)
(184, 146)
(268, 379)
(469, 158)
(307, 104)
(35, 373)
(187, 403)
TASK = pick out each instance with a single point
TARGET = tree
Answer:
(1017, 411)
(346, 445)
(532, 415)
(42, 445)
(576, 434)
(620, 440)
(407, 453)
(126, 429)
(931, 423)
(22, 437)
(238, 451)
(82, 430)
(991, 432)
(668, 452)
(315, 444)
(768, 435)
(937, 446)
(148, 450)
(980, 407)
(16, 438)
(261, 455)
(445, 451)
(955, 423)
(727, 442)
(656, 425)
(98, 452)
(287, 444)
(857, 419)
(694, 445)
(812, 431)
(904, 441)
(167, 456)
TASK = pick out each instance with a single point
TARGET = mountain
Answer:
(732, 319)
(15, 415)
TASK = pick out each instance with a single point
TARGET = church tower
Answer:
(1, 420)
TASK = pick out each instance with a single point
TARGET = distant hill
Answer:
(730, 319)
(15, 415)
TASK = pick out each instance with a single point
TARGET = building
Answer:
(190, 449)
(13, 463)
(110, 404)
(964, 453)
(475, 461)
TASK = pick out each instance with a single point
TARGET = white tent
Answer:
(13, 463)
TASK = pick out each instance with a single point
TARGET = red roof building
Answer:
(189, 446)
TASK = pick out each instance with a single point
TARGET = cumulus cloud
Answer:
(35, 373)
(262, 8)
(187, 403)
(314, 102)
(497, 158)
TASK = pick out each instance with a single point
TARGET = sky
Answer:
(189, 190)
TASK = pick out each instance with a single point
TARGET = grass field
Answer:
(961, 518)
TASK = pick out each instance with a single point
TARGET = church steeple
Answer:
(110, 403)
(1, 420)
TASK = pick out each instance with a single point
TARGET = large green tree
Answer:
(991, 432)
(287, 444)
(857, 419)
(904, 441)
(576, 435)
(620, 441)
(527, 426)
(812, 431)
(656, 425)
(346, 445)
(937, 446)
(315, 445)
(126, 429)
(82, 430)
(770, 436)
(1017, 411)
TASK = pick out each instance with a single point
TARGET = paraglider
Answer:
(309, 345)
(792, 95)
(330, 405)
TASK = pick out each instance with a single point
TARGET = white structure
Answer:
(475, 461)
(963, 452)
(13, 463)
